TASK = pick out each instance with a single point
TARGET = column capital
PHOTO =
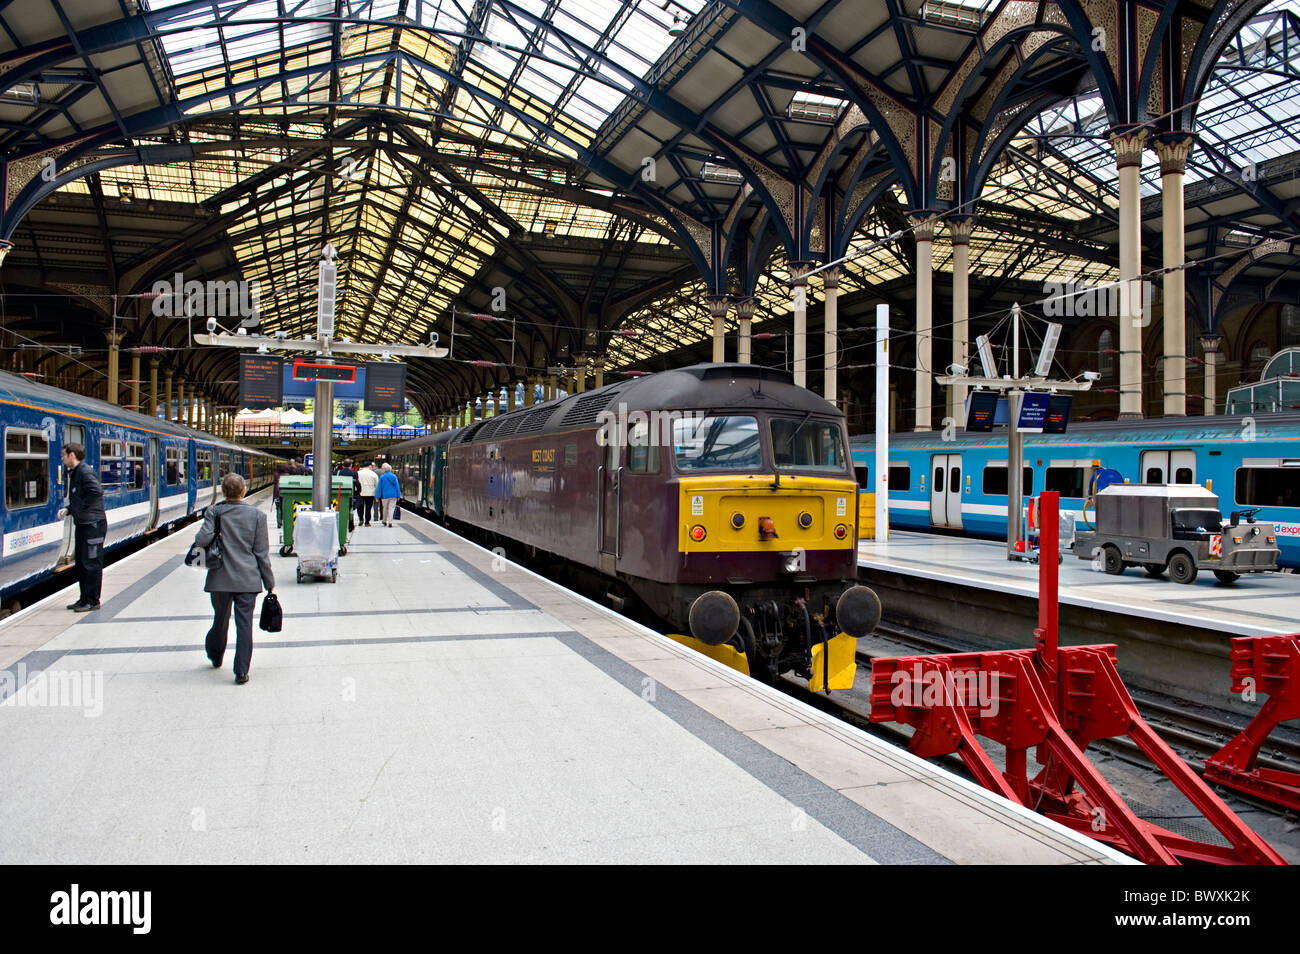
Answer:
(960, 228)
(799, 272)
(745, 307)
(114, 338)
(831, 279)
(1128, 144)
(924, 222)
(1172, 149)
(718, 305)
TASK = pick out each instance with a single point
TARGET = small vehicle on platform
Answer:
(1176, 527)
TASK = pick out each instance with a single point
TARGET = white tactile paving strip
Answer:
(1258, 604)
(431, 708)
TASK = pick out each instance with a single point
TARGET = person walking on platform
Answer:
(369, 481)
(388, 492)
(282, 469)
(86, 504)
(347, 470)
(245, 569)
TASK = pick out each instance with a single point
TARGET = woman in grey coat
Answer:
(245, 567)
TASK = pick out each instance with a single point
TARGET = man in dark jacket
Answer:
(347, 470)
(86, 504)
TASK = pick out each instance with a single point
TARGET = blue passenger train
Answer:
(961, 484)
(154, 473)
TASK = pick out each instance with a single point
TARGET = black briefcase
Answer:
(272, 615)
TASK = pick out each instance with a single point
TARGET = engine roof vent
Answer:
(586, 409)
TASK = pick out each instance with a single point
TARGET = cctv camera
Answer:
(242, 331)
(212, 326)
(1092, 376)
(433, 339)
(957, 369)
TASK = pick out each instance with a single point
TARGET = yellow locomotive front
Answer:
(767, 544)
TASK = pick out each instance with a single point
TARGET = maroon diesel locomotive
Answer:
(720, 496)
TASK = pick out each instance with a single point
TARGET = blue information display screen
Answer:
(1058, 414)
(1033, 412)
(981, 411)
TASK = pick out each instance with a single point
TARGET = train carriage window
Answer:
(1183, 475)
(937, 486)
(110, 465)
(1269, 486)
(570, 454)
(27, 468)
(1067, 481)
(995, 481)
(175, 465)
(135, 466)
(863, 475)
(223, 466)
(900, 478)
(203, 466)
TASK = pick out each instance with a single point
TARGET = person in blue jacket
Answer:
(387, 493)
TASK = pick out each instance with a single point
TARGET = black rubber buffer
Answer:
(858, 611)
(714, 618)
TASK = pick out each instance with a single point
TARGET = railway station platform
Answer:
(439, 704)
(1172, 637)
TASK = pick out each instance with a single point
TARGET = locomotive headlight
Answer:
(738, 520)
(1254, 531)
(841, 531)
(805, 520)
(697, 533)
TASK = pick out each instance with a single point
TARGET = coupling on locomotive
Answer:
(721, 498)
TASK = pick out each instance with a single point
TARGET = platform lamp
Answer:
(1210, 342)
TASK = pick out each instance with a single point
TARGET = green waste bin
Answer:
(296, 490)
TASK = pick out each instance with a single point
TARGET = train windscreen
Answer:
(717, 443)
(807, 445)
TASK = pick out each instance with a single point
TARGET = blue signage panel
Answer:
(1033, 412)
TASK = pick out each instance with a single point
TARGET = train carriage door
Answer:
(151, 477)
(945, 490)
(1169, 467)
(72, 434)
(609, 476)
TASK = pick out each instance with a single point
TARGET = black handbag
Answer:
(209, 557)
(272, 615)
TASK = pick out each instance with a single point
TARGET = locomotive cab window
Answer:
(27, 468)
(642, 452)
(716, 443)
(807, 445)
